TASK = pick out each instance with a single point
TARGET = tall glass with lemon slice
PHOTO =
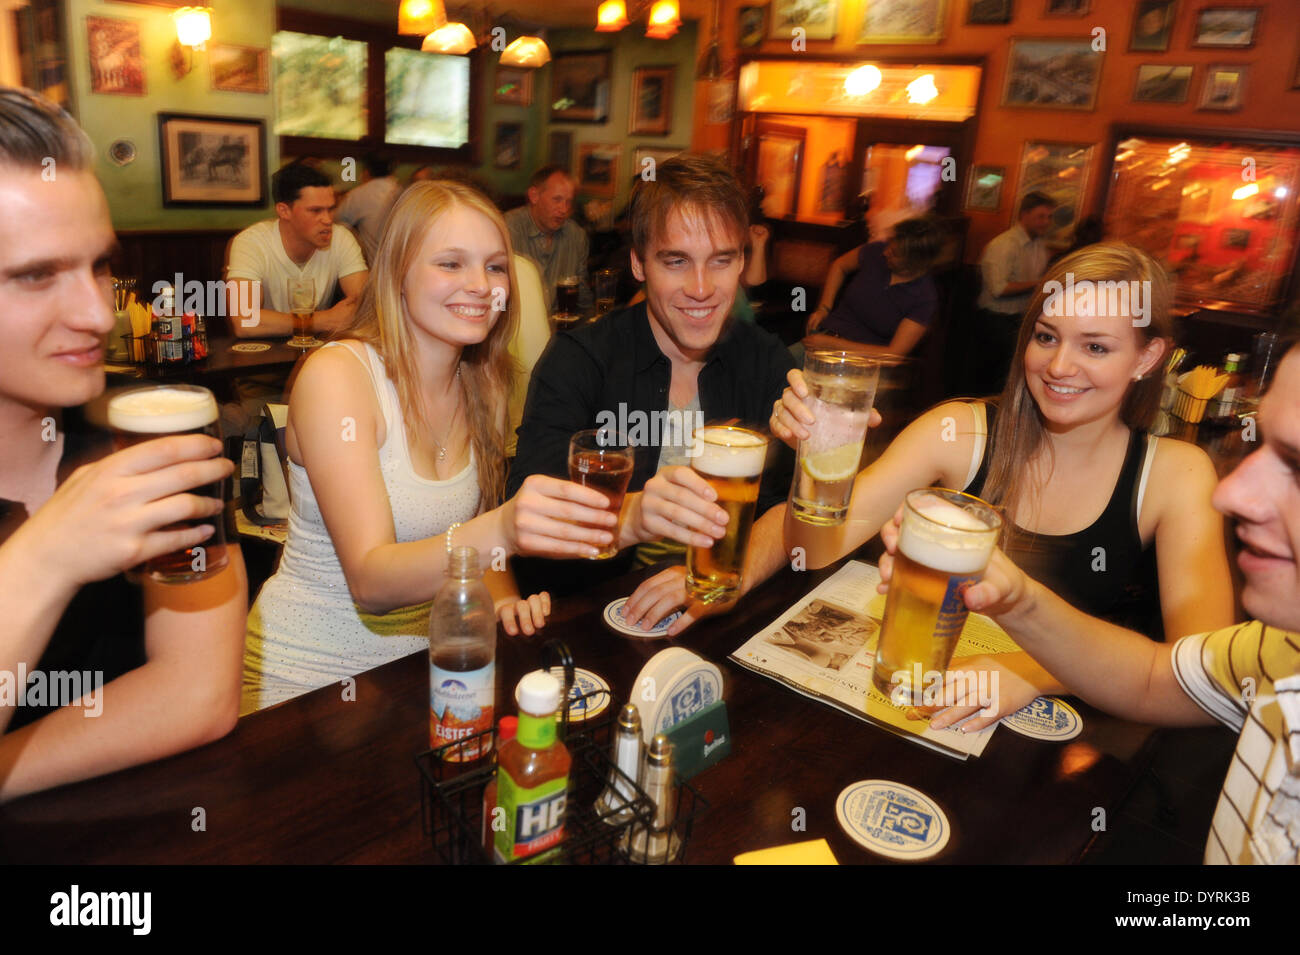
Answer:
(842, 388)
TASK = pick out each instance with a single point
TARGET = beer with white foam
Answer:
(731, 460)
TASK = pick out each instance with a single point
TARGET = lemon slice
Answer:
(837, 464)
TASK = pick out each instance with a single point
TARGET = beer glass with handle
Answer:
(598, 459)
(731, 459)
(841, 391)
(302, 303)
(142, 414)
(944, 544)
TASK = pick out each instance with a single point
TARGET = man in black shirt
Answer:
(674, 358)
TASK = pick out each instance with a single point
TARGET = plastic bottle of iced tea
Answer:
(462, 659)
(533, 776)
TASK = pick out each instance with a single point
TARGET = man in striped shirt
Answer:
(1246, 677)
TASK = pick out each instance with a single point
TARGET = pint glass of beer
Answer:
(842, 389)
(598, 459)
(302, 305)
(566, 298)
(945, 543)
(731, 460)
(142, 414)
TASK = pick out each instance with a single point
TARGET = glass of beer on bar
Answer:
(567, 312)
(302, 305)
(731, 459)
(944, 545)
(842, 389)
(599, 460)
(142, 414)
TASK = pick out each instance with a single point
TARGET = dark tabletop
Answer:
(222, 362)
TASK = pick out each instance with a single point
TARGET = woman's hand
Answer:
(660, 595)
(992, 686)
(791, 418)
(516, 613)
(676, 504)
(549, 517)
(118, 512)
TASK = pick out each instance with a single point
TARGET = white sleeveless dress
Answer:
(305, 631)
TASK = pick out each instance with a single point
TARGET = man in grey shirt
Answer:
(544, 231)
(365, 209)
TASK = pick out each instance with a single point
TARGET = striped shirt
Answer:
(1248, 678)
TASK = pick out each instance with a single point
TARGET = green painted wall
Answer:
(135, 191)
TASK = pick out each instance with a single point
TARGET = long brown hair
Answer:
(486, 369)
(1019, 432)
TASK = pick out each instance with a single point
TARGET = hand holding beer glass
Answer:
(731, 460)
(598, 460)
(302, 304)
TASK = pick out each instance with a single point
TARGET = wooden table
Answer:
(321, 780)
(222, 363)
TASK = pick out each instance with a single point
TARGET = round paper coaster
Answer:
(892, 820)
(1046, 718)
(251, 347)
(590, 694)
(615, 621)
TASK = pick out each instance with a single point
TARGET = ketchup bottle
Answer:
(533, 776)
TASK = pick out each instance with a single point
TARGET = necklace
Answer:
(442, 450)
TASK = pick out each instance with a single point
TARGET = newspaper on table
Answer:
(824, 646)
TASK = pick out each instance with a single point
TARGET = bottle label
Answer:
(534, 817)
(460, 706)
(536, 732)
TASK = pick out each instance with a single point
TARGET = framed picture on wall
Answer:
(1161, 83)
(212, 160)
(818, 18)
(239, 69)
(1224, 87)
(901, 21)
(1153, 22)
(988, 11)
(652, 101)
(1067, 8)
(116, 64)
(780, 167)
(649, 157)
(1231, 28)
(598, 168)
(1059, 170)
(1052, 74)
(751, 24)
(580, 87)
(984, 188)
(509, 152)
(513, 87)
(560, 151)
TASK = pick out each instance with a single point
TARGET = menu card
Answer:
(824, 646)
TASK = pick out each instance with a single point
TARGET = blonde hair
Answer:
(1018, 431)
(486, 369)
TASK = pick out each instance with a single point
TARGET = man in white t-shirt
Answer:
(301, 242)
(365, 209)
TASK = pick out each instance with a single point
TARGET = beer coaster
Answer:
(590, 693)
(1046, 718)
(249, 347)
(892, 820)
(615, 621)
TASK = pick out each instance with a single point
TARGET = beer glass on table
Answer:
(606, 281)
(302, 304)
(142, 414)
(842, 388)
(567, 313)
(731, 459)
(944, 544)
(599, 460)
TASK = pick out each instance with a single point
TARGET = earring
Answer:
(1138, 377)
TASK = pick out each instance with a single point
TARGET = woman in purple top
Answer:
(891, 298)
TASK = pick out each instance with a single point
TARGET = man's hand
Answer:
(660, 595)
(676, 504)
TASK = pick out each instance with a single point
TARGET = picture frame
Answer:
(1224, 87)
(513, 87)
(1067, 8)
(751, 26)
(580, 87)
(651, 111)
(320, 85)
(982, 12)
(239, 69)
(426, 99)
(116, 61)
(818, 18)
(212, 161)
(1055, 73)
(508, 151)
(1059, 170)
(984, 188)
(658, 154)
(1226, 28)
(1162, 83)
(559, 151)
(598, 168)
(780, 169)
(901, 21)
(1153, 24)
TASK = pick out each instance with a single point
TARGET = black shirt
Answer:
(617, 362)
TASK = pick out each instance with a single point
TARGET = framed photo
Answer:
(780, 166)
(509, 152)
(988, 11)
(901, 21)
(116, 65)
(1067, 8)
(580, 87)
(426, 98)
(817, 17)
(560, 151)
(598, 168)
(751, 24)
(1224, 87)
(513, 87)
(1052, 74)
(1230, 28)
(320, 85)
(1059, 170)
(652, 101)
(240, 69)
(649, 157)
(1153, 22)
(1160, 83)
(984, 188)
(212, 160)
